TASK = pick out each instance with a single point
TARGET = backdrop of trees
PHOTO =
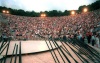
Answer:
(91, 7)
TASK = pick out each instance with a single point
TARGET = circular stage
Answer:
(29, 47)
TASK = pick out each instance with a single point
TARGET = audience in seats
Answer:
(30, 28)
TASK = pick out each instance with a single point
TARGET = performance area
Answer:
(48, 51)
(28, 47)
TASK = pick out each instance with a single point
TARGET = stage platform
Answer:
(71, 53)
(31, 46)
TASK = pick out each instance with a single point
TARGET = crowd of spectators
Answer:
(28, 28)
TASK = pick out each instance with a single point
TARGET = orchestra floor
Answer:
(28, 47)
(38, 52)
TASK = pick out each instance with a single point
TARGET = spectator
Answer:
(93, 40)
(97, 40)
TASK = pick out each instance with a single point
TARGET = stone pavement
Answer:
(70, 52)
(31, 46)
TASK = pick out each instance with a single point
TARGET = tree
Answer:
(66, 13)
(91, 7)
(80, 9)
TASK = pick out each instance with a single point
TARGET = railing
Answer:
(14, 55)
(82, 51)
(91, 55)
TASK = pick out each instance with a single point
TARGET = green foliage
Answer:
(91, 7)
(81, 8)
